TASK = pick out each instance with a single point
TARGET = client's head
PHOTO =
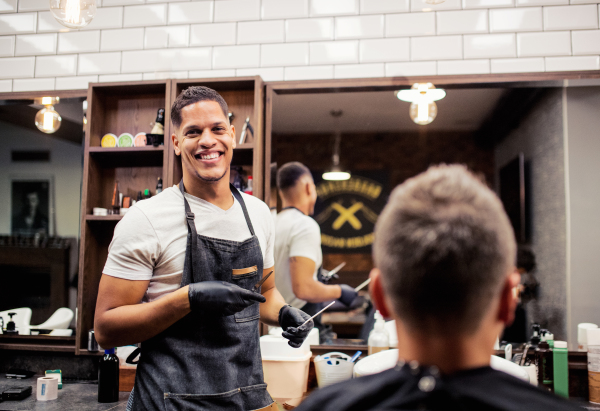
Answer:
(296, 186)
(444, 254)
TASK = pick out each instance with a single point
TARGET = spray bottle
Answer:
(379, 340)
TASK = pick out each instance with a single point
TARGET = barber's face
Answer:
(205, 140)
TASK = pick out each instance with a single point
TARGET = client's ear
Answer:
(376, 291)
(509, 298)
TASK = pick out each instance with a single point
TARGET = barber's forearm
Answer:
(316, 292)
(131, 324)
(269, 310)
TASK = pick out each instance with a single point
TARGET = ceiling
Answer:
(460, 110)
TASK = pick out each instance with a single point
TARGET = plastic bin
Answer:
(333, 367)
(285, 368)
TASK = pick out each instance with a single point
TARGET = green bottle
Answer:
(561, 368)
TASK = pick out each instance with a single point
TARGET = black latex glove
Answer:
(348, 295)
(290, 320)
(221, 298)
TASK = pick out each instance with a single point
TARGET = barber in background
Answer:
(298, 255)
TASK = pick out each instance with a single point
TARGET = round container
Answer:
(285, 368)
(109, 140)
(333, 367)
(582, 335)
(125, 140)
(140, 140)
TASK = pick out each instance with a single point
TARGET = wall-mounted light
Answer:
(422, 110)
(47, 119)
(335, 172)
(73, 14)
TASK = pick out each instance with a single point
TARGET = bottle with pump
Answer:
(379, 340)
(108, 377)
(248, 189)
(159, 123)
(159, 186)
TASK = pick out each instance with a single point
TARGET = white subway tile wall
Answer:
(33, 84)
(122, 39)
(191, 12)
(35, 44)
(79, 42)
(56, 66)
(309, 29)
(74, 83)
(571, 17)
(252, 32)
(384, 6)
(294, 40)
(7, 46)
(8, 6)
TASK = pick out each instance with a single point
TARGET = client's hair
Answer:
(444, 246)
(289, 174)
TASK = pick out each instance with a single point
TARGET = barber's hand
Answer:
(348, 295)
(221, 298)
(290, 320)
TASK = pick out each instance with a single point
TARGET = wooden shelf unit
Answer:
(131, 107)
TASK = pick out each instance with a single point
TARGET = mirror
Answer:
(40, 197)
(486, 127)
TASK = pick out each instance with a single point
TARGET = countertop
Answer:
(72, 396)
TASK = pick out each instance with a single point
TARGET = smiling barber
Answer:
(180, 272)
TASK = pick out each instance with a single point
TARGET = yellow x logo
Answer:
(347, 214)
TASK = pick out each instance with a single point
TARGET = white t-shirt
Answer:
(296, 235)
(149, 242)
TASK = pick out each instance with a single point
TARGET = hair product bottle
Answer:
(379, 340)
(593, 342)
(545, 367)
(108, 377)
(561, 368)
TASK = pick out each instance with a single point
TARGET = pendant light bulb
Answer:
(47, 120)
(336, 173)
(73, 14)
(423, 112)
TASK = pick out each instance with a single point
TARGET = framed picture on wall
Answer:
(32, 205)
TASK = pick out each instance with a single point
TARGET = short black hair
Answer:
(193, 95)
(289, 174)
(525, 259)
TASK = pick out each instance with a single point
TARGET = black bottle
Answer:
(10, 326)
(108, 377)
(159, 186)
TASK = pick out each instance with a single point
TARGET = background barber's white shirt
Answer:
(149, 242)
(296, 235)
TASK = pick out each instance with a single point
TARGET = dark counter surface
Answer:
(72, 396)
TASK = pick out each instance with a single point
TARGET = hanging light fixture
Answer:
(47, 119)
(336, 172)
(73, 14)
(422, 110)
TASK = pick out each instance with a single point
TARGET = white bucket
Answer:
(332, 370)
(285, 368)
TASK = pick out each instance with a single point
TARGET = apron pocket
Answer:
(253, 397)
(247, 281)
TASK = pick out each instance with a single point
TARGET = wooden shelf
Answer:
(126, 149)
(114, 217)
(37, 343)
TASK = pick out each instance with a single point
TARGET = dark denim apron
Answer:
(204, 362)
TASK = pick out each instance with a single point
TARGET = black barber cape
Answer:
(420, 388)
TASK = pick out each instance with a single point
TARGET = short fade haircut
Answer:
(193, 95)
(444, 246)
(289, 174)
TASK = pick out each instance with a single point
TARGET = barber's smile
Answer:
(209, 157)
